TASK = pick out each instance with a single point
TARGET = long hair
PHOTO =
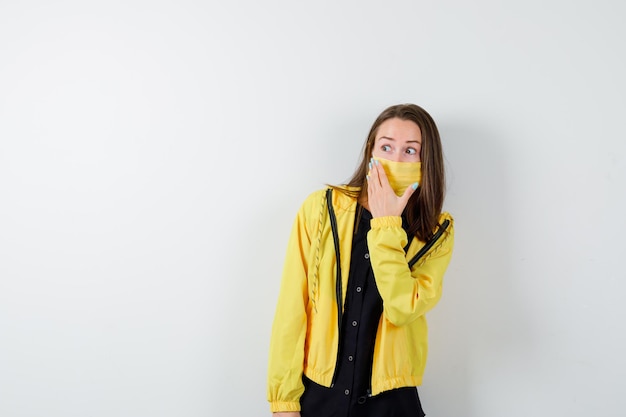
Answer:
(425, 205)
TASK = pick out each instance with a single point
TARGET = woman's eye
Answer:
(411, 151)
(385, 148)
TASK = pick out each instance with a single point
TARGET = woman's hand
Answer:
(287, 414)
(381, 198)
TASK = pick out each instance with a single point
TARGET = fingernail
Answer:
(370, 165)
(377, 162)
(367, 177)
(415, 185)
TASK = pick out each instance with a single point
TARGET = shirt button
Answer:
(347, 392)
(350, 358)
(358, 289)
(354, 323)
(367, 256)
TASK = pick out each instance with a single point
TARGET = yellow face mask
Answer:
(401, 175)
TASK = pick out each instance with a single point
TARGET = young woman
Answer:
(365, 263)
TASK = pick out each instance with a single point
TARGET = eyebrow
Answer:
(408, 141)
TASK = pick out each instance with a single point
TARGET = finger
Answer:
(375, 171)
(382, 175)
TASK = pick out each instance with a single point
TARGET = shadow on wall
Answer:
(471, 331)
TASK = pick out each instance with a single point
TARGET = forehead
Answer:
(400, 130)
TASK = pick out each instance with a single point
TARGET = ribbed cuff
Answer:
(385, 222)
(284, 406)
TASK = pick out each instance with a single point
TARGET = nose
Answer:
(395, 157)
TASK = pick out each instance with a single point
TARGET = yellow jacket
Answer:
(305, 334)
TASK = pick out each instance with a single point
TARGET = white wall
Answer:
(153, 156)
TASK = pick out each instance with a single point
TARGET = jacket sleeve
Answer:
(407, 294)
(286, 353)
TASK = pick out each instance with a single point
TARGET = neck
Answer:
(363, 201)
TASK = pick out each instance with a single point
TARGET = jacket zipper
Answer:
(338, 289)
(431, 242)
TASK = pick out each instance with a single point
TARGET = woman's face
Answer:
(398, 140)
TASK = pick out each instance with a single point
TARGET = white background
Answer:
(153, 155)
